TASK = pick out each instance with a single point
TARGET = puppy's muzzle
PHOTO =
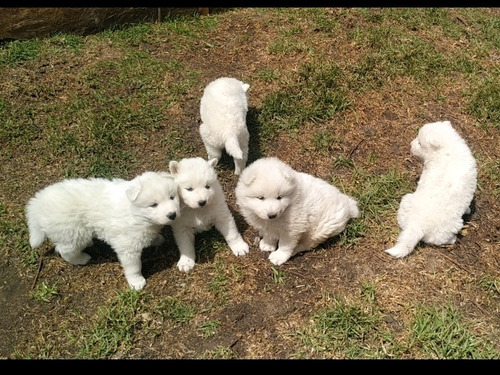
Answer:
(172, 216)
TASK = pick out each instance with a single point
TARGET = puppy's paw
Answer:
(266, 246)
(136, 282)
(185, 264)
(397, 252)
(240, 248)
(158, 240)
(278, 257)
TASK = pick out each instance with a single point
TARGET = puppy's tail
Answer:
(37, 235)
(233, 148)
(353, 208)
(407, 240)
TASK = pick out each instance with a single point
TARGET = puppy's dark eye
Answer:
(189, 189)
(153, 205)
(172, 197)
(207, 187)
(279, 197)
(260, 198)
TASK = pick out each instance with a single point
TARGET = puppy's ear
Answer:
(166, 174)
(213, 162)
(133, 190)
(174, 167)
(245, 86)
(248, 178)
(289, 176)
(434, 142)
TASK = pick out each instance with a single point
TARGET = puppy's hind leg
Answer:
(240, 163)
(406, 242)
(212, 151)
(72, 254)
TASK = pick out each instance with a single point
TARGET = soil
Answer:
(257, 315)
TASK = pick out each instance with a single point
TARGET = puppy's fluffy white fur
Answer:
(433, 213)
(223, 110)
(293, 211)
(203, 205)
(128, 215)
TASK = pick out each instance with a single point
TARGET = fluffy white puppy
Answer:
(203, 205)
(293, 211)
(223, 109)
(433, 213)
(128, 215)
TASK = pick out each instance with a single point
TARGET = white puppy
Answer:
(128, 215)
(293, 211)
(223, 110)
(433, 213)
(203, 205)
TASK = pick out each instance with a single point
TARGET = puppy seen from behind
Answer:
(223, 110)
(433, 213)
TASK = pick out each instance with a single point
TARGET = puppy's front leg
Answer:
(184, 237)
(267, 243)
(132, 267)
(232, 236)
(285, 250)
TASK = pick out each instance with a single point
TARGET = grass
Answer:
(440, 333)
(343, 330)
(129, 103)
(484, 102)
(315, 93)
(358, 331)
(114, 327)
(44, 292)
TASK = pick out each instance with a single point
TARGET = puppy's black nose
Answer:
(272, 216)
(172, 216)
(202, 203)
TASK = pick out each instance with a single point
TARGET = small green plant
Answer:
(490, 285)
(209, 328)
(176, 310)
(218, 282)
(44, 292)
(279, 275)
(221, 352)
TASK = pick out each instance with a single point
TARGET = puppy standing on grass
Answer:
(203, 205)
(128, 215)
(433, 213)
(223, 110)
(292, 211)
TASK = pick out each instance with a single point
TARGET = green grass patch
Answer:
(484, 102)
(19, 51)
(314, 94)
(44, 292)
(440, 333)
(344, 330)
